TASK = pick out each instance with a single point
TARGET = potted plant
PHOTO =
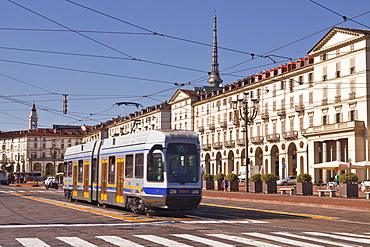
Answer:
(348, 185)
(208, 182)
(218, 181)
(304, 184)
(233, 182)
(269, 183)
(255, 183)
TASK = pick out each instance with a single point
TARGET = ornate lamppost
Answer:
(247, 114)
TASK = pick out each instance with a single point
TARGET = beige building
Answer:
(312, 113)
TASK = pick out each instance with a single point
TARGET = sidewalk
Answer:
(360, 203)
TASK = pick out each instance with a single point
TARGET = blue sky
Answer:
(126, 62)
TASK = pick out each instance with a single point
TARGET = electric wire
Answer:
(343, 16)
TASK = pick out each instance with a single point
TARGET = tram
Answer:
(144, 172)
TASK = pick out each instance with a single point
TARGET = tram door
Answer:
(86, 178)
(103, 189)
(74, 178)
(120, 179)
(94, 180)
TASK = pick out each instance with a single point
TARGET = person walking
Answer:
(225, 184)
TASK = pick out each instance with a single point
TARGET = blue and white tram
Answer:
(143, 172)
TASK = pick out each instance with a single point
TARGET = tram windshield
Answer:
(182, 163)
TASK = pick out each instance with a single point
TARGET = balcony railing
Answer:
(289, 135)
(212, 127)
(352, 126)
(264, 116)
(352, 95)
(257, 139)
(217, 145)
(273, 137)
(223, 124)
(201, 128)
(281, 112)
(338, 98)
(324, 101)
(230, 144)
(240, 142)
(206, 147)
(299, 108)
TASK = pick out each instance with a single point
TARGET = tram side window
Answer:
(129, 168)
(80, 171)
(155, 168)
(69, 169)
(112, 169)
(65, 166)
(94, 170)
(139, 165)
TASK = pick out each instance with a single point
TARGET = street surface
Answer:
(33, 216)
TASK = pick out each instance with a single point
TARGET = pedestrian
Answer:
(337, 179)
(225, 184)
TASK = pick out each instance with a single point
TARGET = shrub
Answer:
(255, 177)
(304, 178)
(270, 177)
(207, 176)
(348, 178)
(219, 177)
(232, 177)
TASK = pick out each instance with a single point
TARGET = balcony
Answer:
(212, 127)
(290, 135)
(240, 142)
(352, 126)
(236, 122)
(273, 137)
(201, 128)
(230, 144)
(352, 95)
(217, 145)
(299, 108)
(223, 124)
(281, 112)
(324, 101)
(264, 116)
(257, 139)
(338, 98)
(206, 147)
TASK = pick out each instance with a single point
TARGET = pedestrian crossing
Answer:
(265, 239)
(31, 191)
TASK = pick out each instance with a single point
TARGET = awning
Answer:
(340, 165)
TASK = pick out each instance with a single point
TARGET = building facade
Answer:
(311, 112)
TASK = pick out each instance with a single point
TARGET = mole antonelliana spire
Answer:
(215, 79)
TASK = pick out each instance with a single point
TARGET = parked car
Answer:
(291, 180)
(242, 174)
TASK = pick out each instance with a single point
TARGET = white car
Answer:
(50, 180)
(291, 180)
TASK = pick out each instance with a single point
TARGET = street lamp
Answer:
(247, 114)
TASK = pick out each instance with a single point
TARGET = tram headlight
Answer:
(195, 192)
(172, 191)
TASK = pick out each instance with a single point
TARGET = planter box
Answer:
(255, 187)
(269, 187)
(304, 188)
(234, 185)
(208, 184)
(218, 185)
(348, 190)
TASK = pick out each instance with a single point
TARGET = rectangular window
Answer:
(291, 85)
(129, 168)
(282, 85)
(80, 171)
(337, 72)
(352, 115)
(352, 65)
(325, 120)
(139, 165)
(310, 79)
(111, 169)
(324, 73)
(155, 168)
(337, 117)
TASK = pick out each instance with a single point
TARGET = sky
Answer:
(103, 52)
